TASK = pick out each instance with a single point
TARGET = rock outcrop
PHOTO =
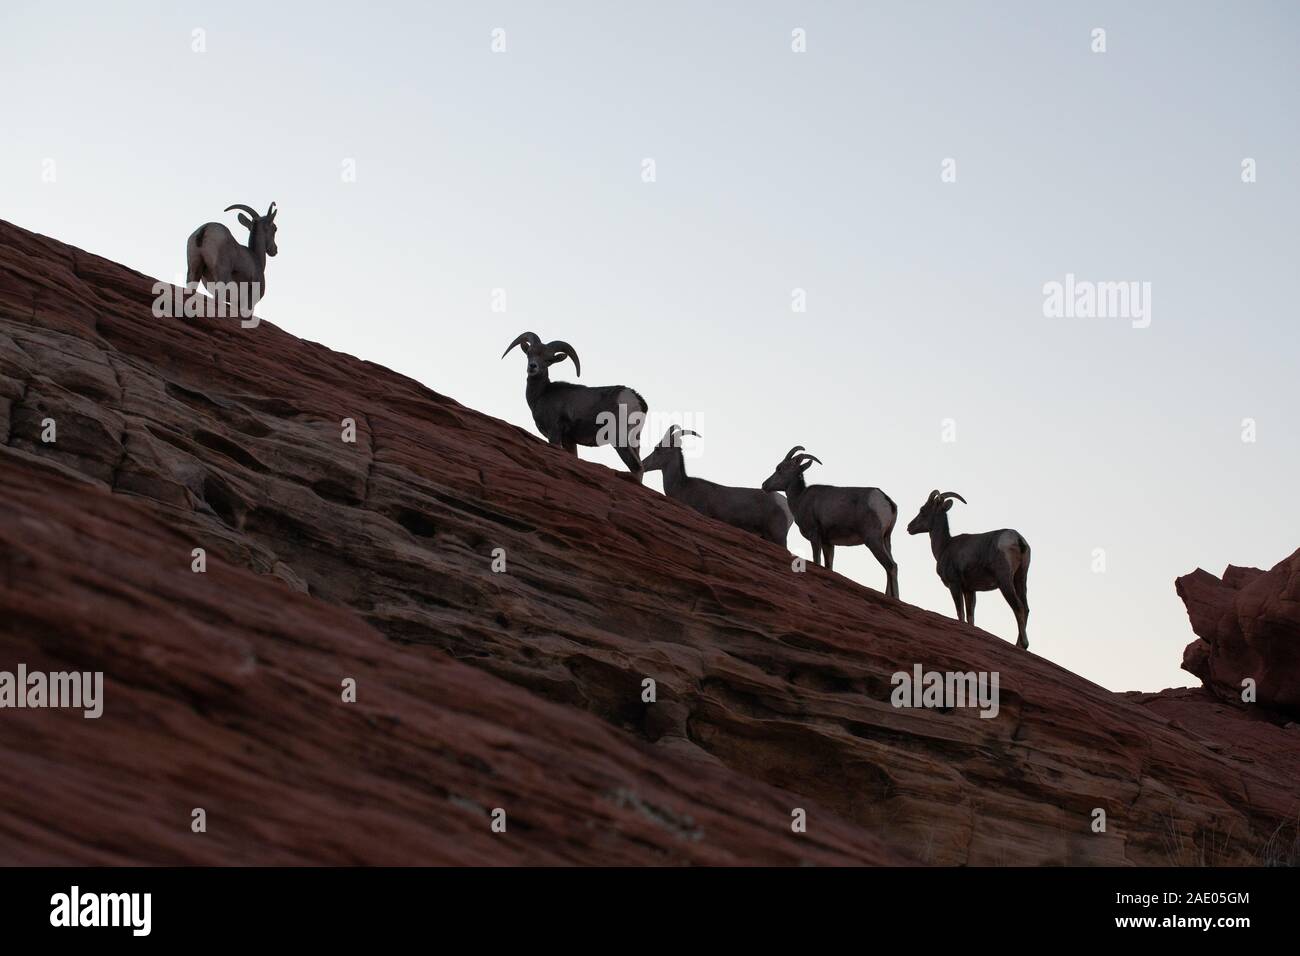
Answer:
(522, 688)
(1248, 627)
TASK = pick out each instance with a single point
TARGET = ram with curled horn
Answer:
(228, 270)
(828, 515)
(569, 415)
(764, 513)
(968, 563)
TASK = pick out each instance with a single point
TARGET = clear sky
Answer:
(774, 171)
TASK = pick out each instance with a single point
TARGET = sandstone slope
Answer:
(480, 689)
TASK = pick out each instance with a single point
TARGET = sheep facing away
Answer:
(568, 414)
(214, 257)
(764, 513)
(828, 516)
(968, 563)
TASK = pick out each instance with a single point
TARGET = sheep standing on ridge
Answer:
(569, 415)
(827, 515)
(226, 268)
(764, 513)
(976, 562)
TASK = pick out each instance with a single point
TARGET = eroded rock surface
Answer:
(1248, 627)
(523, 687)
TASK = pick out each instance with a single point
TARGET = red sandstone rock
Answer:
(223, 692)
(478, 689)
(1248, 626)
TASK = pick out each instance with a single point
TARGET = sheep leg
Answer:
(230, 299)
(880, 548)
(955, 591)
(631, 460)
(1007, 587)
(558, 439)
(817, 552)
(970, 607)
(829, 550)
(1021, 582)
(891, 570)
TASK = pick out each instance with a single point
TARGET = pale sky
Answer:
(774, 171)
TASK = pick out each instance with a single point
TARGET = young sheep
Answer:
(763, 513)
(828, 516)
(976, 562)
(213, 255)
(569, 415)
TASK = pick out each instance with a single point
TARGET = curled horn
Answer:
(672, 437)
(952, 494)
(790, 453)
(567, 349)
(270, 211)
(807, 460)
(248, 209)
(667, 440)
(523, 337)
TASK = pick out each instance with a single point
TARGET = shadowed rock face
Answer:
(223, 692)
(1248, 626)
(522, 689)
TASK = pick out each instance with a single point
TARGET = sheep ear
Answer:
(947, 505)
(245, 221)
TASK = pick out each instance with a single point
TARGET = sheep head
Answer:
(257, 224)
(790, 468)
(935, 505)
(669, 445)
(542, 356)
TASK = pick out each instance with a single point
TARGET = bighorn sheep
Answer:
(827, 515)
(976, 562)
(569, 415)
(763, 513)
(213, 255)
